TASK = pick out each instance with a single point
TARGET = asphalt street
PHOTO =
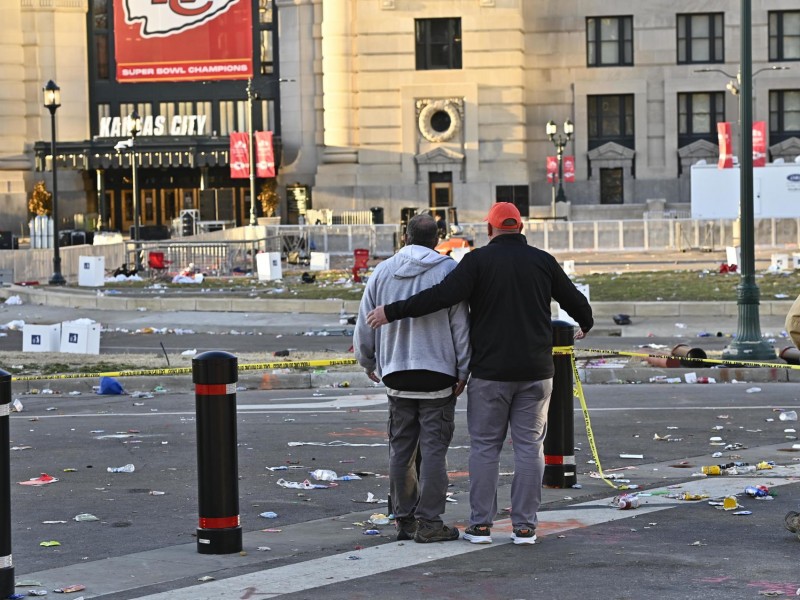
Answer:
(143, 545)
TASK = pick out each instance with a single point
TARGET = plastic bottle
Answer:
(628, 502)
(324, 475)
(788, 415)
(129, 468)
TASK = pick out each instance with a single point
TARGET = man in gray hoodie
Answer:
(424, 366)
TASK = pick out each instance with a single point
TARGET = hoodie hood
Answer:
(416, 260)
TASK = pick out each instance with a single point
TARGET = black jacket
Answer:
(509, 286)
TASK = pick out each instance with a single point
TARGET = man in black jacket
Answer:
(509, 286)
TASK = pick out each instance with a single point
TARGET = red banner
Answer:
(183, 40)
(725, 146)
(552, 169)
(569, 168)
(759, 143)
(265, 158)
(240, 156)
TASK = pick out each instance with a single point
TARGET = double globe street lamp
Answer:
(52, 100)
(560, 142)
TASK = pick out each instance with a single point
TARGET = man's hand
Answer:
(580, 334)
(377, 317)
(458, 388)
(374, 377)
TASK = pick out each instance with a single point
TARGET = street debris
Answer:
(43, 479)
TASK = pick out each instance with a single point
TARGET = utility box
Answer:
(91, 271)
(268, 265)
(320, 261)
(80, 338)
(41, 338)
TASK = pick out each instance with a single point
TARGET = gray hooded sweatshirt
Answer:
(437, 342)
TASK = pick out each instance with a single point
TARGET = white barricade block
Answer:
(583, 288)
(320, 261)
(91, 271)
(779, 262)
(80, 338)
(569, 267)
(733, 255)
(41, 338)
(796, 260)
(268, 265)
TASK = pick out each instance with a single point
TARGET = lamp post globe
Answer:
(52, 100)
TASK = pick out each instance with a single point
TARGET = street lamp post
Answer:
(560, 142)
(748, 344)
(135, 127)
(251, 151)
(52, 100)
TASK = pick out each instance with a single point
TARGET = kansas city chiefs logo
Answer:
(162, 18)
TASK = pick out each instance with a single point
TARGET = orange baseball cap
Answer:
(501, 213)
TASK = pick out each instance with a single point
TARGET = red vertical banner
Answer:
(240, 156)
(265, 157)
(183, 40)
(725, 146)
(552, 169)
(569, 168)
(759, 143)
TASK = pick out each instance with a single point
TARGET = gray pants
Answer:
(493, 408)
(427, 425)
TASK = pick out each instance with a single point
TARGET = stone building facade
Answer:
(397, 103)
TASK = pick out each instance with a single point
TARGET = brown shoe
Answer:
(792, 522)
(406, 528)
(435, 532)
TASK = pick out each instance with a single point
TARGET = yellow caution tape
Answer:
(303, 364)
(578, 392)
(717, 361)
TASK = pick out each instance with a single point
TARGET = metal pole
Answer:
(748, 343)
(57, 278)
(6, 561)
(251, 151)
(559, 444)
(219, 531)
(101, 200)
(137, 209)
(560, 196)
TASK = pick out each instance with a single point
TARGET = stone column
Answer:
(13, 161)
(338, 97)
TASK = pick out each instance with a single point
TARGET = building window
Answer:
(784, 115)
(267, 59)
(700, 38)
(609, 41)
(698, 115)
(611, 120)
(266, 40)
(516, 194)
(100, 34)
(438, 44)
(784, 35)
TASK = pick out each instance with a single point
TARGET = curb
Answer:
(89, 299)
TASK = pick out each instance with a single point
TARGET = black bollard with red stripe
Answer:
(215, 375)
(559, 444)
(6, 563)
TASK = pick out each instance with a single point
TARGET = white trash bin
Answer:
(268, 265)
(41, 338)
(91, 271)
